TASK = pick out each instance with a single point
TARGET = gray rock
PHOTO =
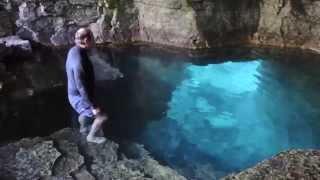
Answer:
(293, 164)
(27, 12)
(153, 169)
(53, 22)
(83, 174)
(27, 159)
(64, 35)
(6, 25)
(125, 22)
(289, 23)
(198, 24)
(182, 23)
(70, 161)
(100, 29)
(83, 2)
(67, 155)
(169, 26)
(16, 42)
(170, 4)
(36, 161)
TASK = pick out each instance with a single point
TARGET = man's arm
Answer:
(81, 85)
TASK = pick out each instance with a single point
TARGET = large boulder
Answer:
(197, 23)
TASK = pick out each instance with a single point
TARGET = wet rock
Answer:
(293, 164)
(67, 155)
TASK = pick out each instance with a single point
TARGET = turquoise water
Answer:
(213, 119)
(205, 115)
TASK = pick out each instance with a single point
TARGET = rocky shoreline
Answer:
(293, 164)
(66, 155)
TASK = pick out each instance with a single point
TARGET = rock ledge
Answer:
(66, 155)
(293, 164)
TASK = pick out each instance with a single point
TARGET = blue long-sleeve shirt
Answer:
(81, 79)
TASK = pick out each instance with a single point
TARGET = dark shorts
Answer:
(87, 112)
(88, 120)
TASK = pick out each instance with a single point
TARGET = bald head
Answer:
(84, 38)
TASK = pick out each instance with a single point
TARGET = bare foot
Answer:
(95, 139)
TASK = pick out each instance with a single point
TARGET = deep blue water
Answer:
(205, 114)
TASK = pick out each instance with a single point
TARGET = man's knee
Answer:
(84, 120)
(102, 117)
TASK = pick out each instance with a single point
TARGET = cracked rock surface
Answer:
(181, 23)
(66, 155)
(293, 164)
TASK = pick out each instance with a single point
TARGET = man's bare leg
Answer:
(95, 128)
(84, 128)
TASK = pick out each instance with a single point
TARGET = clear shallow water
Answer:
(205, 115)
(213, 119)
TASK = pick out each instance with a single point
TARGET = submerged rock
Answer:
(293, 164)
(66, 155)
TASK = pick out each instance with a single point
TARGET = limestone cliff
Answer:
(182, 23)
(197, 23)
(291, 23)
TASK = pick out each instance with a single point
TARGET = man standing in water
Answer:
(81, 79)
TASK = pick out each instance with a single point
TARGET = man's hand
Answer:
(96, 111)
